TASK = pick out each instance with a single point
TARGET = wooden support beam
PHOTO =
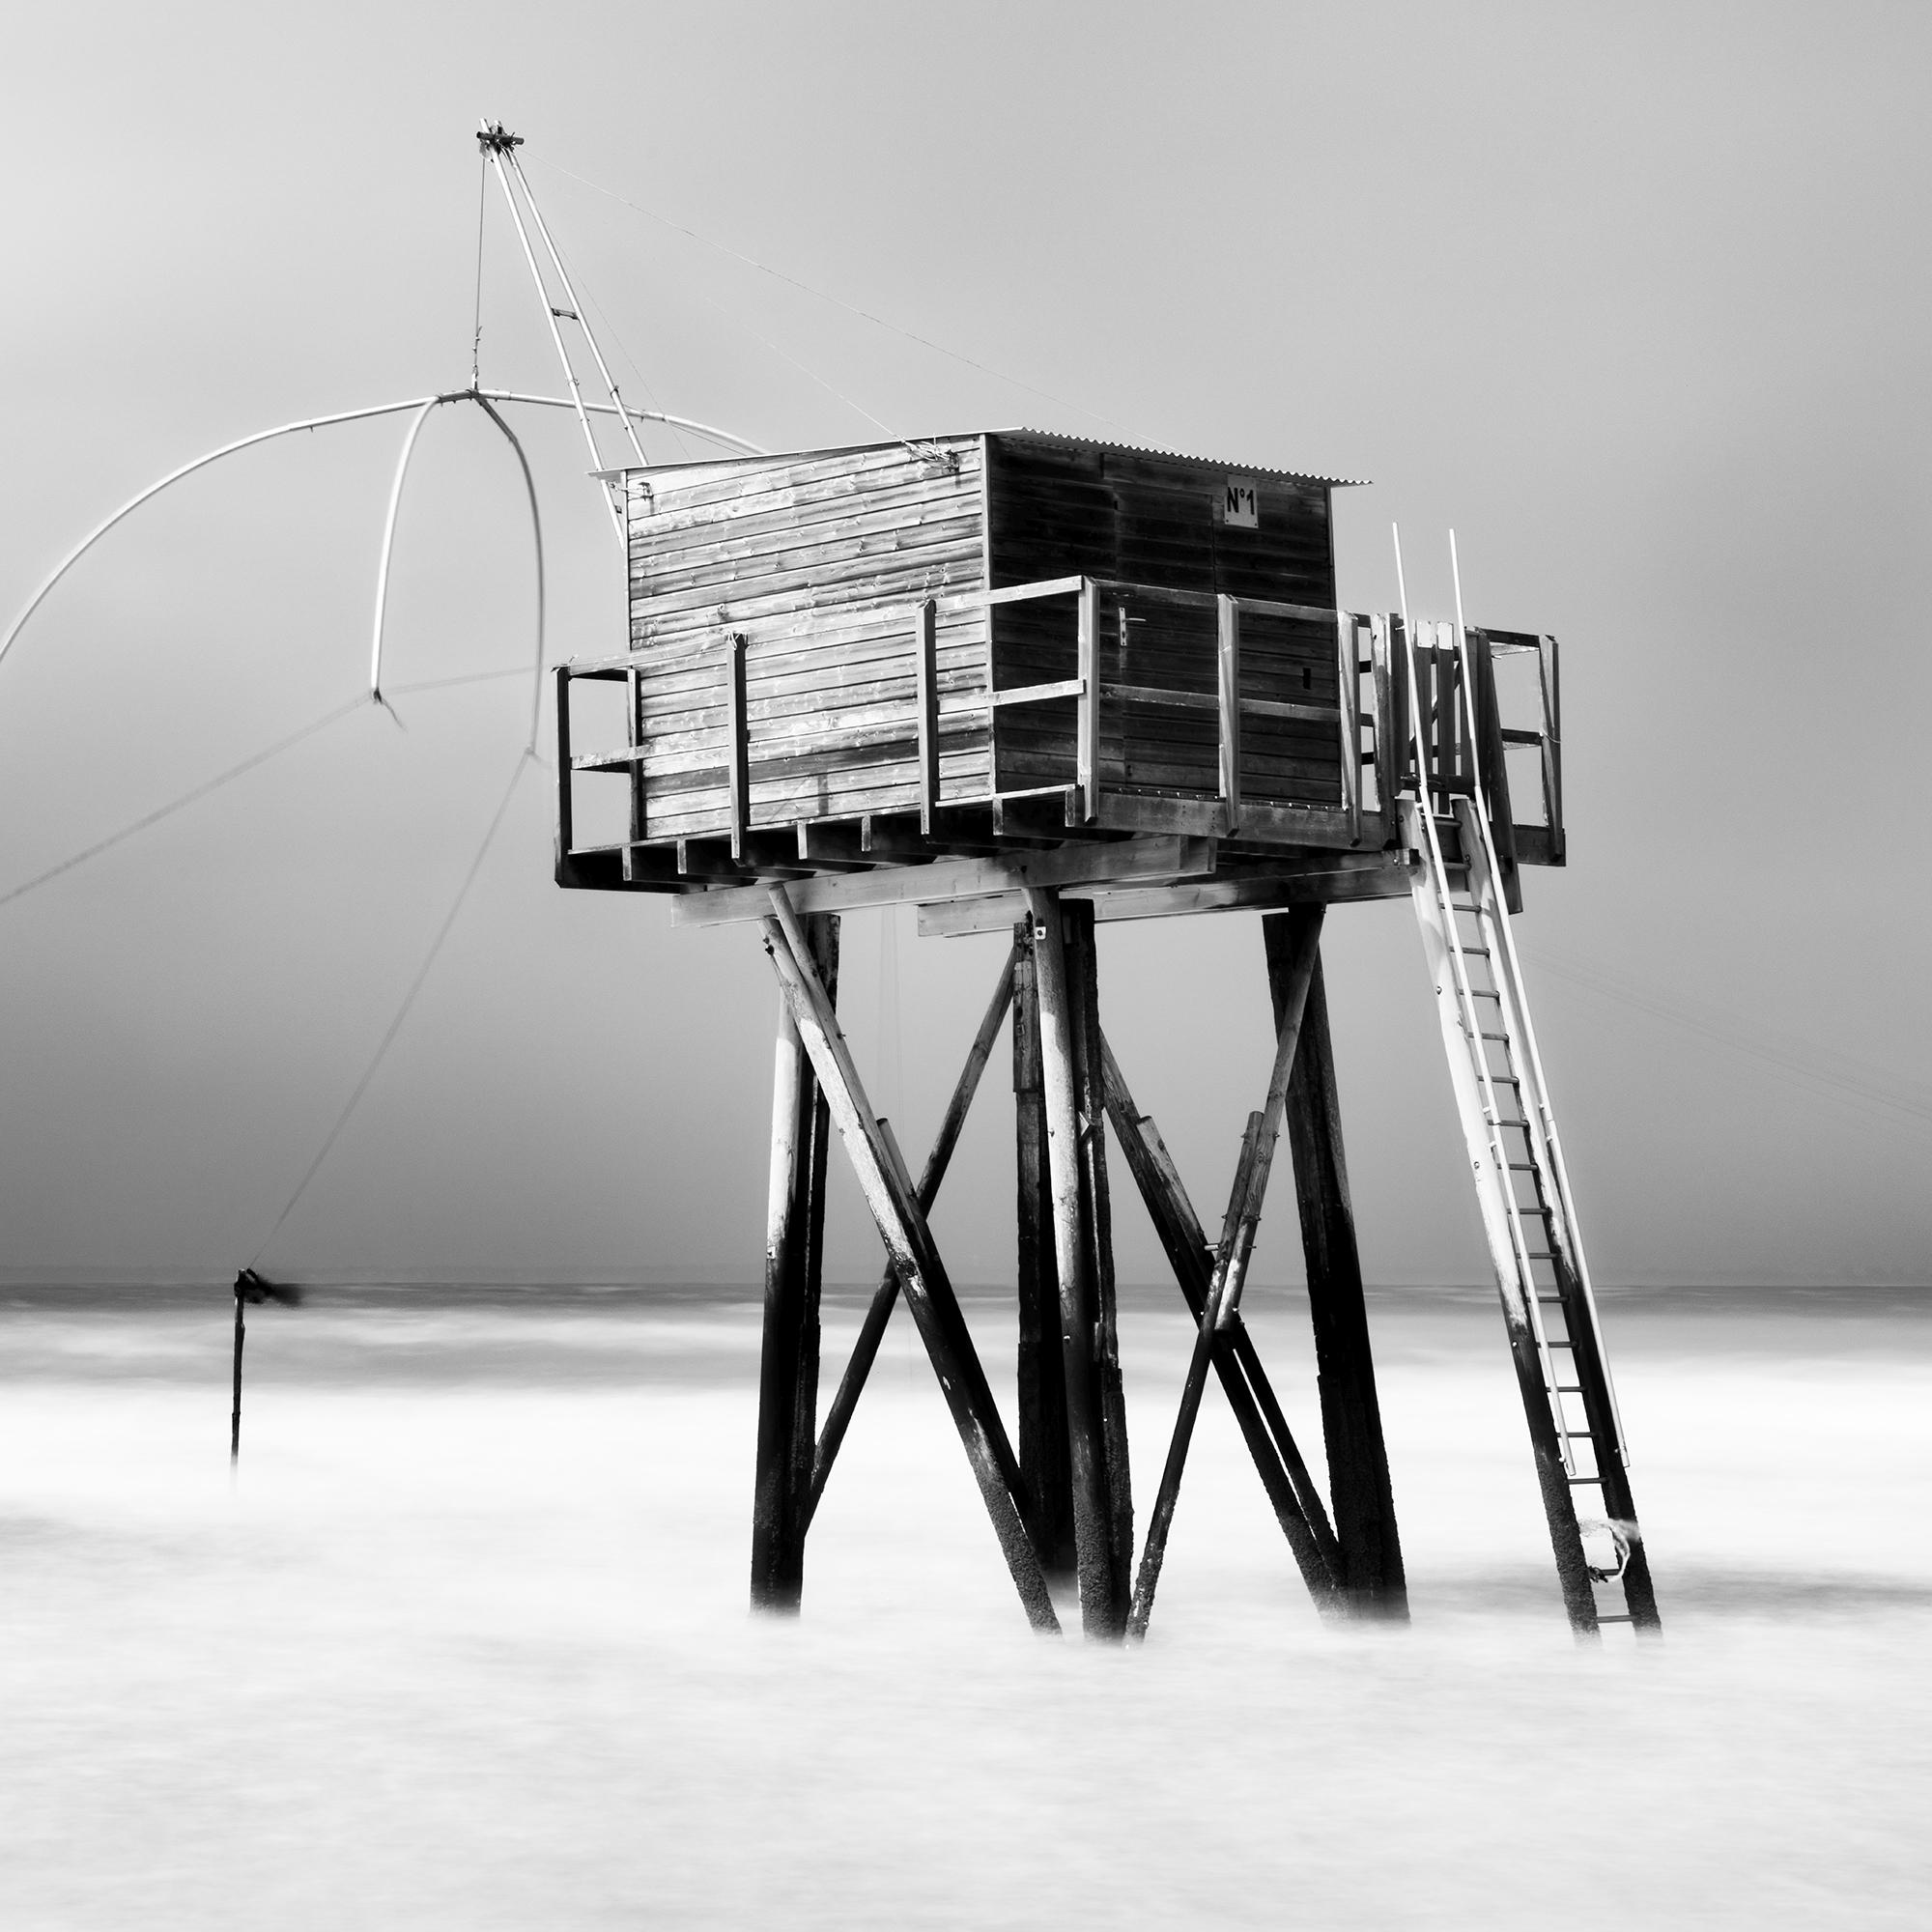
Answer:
(1127, 858)
(1358, 1474)
(922, 1277)
(1285, 1476)
(794, 1246)
(885, 1297)
(1323, 880)
(925, 683)
(1043, 1442)
(1096, 1234)
(1102, 1502)
(1231, 1260)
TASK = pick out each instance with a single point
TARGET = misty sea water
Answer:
(465, 1643)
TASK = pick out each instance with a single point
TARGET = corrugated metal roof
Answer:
(1182, 456)
(1036, 435)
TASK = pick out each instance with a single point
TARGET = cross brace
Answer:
(921, 1275)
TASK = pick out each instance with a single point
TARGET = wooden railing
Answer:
(1465, 737)
(1224, 701)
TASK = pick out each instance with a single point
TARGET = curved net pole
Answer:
(87, 543)
(710, 430)
(536, 532)
(389, 544)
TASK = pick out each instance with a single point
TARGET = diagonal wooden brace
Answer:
(1292, 1489)
(902, 1226)
(872, 1332)
(1231, 1260)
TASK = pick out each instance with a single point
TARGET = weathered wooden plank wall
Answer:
(819, 560)
(817, 563)
(1057, 509)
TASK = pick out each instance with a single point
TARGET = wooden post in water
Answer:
(1373, 1580)
(1071, 1083)
(234, 1418)
(1043, 1376)
(794, 1244)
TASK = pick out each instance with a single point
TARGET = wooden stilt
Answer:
(1231, 1260)
(794, 1242)
(1062, 949)
(1043, 1445)
(1096, 1228)
(1358, 1474)
(902, 1225)
(1290, 1489)
(872, 1330)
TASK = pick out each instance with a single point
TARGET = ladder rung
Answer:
(1518, 1166)
(1604, 1617)
(1581, 1482)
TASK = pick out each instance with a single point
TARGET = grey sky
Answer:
(1636, 299)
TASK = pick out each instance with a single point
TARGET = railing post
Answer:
(1348, 699)
(564, 831)
(737, 758)
(1552, 747)
(1228, 613)
(1086, 745)
(1404, 692)
(1388, 741)
(633, 700)
(925, 682)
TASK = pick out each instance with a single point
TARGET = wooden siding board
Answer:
(819, 562)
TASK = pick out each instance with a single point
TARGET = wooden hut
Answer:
(1034, 682)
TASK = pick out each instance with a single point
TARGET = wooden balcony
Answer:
(1259, 745)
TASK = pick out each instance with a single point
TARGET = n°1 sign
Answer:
(1238, 508)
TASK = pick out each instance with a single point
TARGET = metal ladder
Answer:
(1528, 1215)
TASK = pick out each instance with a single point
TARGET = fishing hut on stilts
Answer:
(1031, 683)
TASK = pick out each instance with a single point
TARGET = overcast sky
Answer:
(1633, 297)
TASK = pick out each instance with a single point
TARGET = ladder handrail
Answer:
(1510, 983)
(1473, 1031)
